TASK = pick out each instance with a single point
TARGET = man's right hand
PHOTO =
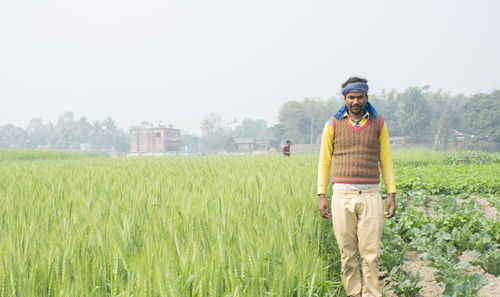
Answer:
(324, 207)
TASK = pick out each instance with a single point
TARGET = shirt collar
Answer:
(367, 115)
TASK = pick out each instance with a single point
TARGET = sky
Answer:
(174, 62)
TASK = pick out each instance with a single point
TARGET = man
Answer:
(286, 149)
(356, 138)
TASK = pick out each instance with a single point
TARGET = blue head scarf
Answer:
(358, 87)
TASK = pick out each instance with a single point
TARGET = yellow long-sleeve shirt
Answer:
(325, 156)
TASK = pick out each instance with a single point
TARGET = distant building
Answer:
(85, 146)
(155, 140)
(252, 144)
(265, 144)
(244, 144)
(458, 136)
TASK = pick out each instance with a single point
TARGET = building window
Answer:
(158, 134)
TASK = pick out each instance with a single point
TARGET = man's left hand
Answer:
(390, 206)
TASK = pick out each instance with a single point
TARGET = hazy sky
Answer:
(176, 61)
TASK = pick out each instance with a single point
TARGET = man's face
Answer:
(355, 103)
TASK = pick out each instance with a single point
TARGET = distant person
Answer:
(286, 149)
(356, 139)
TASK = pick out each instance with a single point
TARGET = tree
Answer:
(114, 137)
(66, 126)
(303, 121)
(291, 117)
(413, 112)
(67, 133)
(83, 130)
(192, 140)
(315, 114)
(446, 129)
(13, 137)
(386, 105)
(444, 119)
(106, 135)
(252, 129)
(278, 132)
(215, 134)
(41, 134)
(481, 114)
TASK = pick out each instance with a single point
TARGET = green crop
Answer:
(71, 225)
(450, 179)
(31, 155)
(214, 226)
(471, 158)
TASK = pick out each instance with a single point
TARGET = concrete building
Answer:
(155, 140)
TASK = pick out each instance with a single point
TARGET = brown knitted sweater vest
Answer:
(356, 152)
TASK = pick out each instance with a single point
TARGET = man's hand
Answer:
(390, 206)
(324, 207)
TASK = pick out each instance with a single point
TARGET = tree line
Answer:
(67, 133)
(416, 113)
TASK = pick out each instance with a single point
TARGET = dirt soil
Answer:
(489, 211)
(429, 207)
(430, 287)
(492, 288)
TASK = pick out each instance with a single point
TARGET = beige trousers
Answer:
(358, 219)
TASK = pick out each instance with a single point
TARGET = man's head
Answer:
(288, 142)
(355, 91)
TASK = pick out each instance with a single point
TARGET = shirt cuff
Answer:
(391, 188)
(322, 189)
